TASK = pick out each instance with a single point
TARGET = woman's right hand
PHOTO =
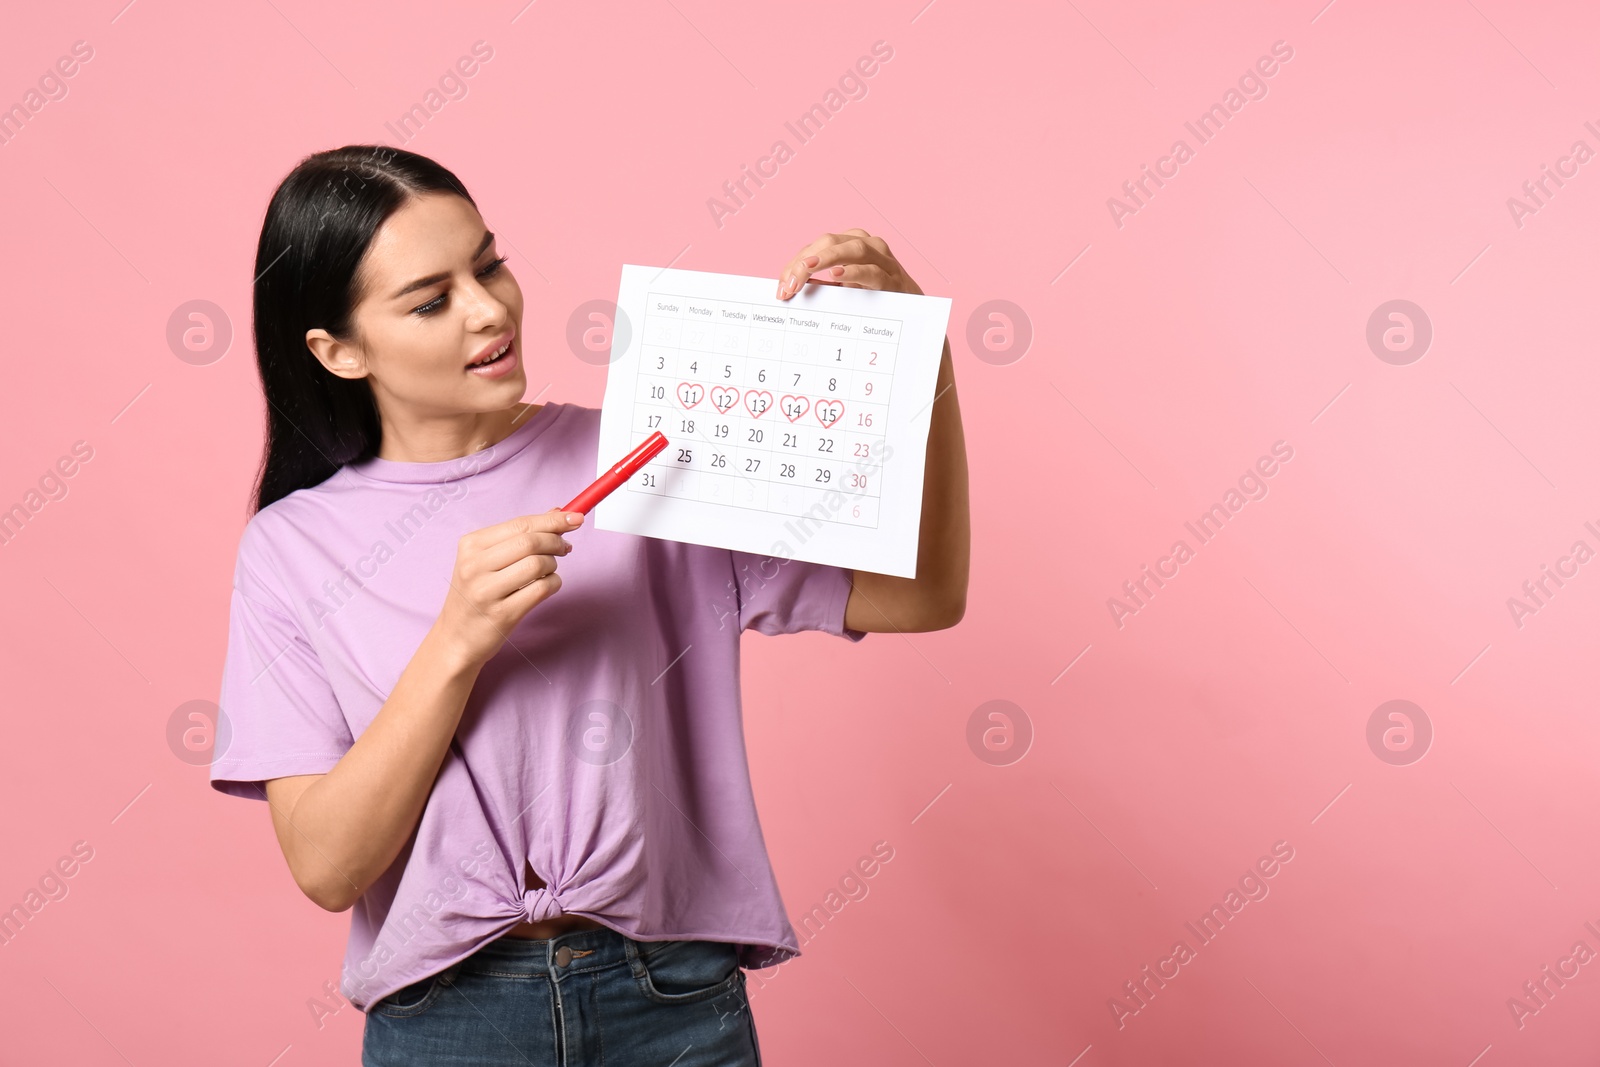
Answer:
(501, 572)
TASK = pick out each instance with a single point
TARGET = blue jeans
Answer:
(583, 997)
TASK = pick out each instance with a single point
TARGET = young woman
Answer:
(530, 786)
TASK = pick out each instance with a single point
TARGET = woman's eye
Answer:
(490, 269)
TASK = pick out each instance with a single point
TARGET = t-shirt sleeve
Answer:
(778, 595)
(279, 715)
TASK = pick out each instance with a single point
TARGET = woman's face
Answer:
(435, 298)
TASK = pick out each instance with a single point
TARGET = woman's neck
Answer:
(437, 440)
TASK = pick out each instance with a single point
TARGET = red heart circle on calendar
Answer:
(757, 401)
(723, 398)
(830, 411)
(793, 411)
(690, 393)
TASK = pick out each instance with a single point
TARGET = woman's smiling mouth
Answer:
(499, 361)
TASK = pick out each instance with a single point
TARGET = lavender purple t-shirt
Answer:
(603, 743)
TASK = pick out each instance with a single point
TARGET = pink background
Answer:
(1229, 313)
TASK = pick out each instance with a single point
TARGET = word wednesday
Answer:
(1252, 486)
(1252, 884)
(1252, 86)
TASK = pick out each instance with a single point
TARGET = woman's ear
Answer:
(339, 357)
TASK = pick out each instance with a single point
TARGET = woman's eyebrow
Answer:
(432, 279)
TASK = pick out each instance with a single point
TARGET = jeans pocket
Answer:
(417, 997)
(686, 972)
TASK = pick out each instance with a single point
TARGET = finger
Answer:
(795, 272)
(519, 575)
(876, 242)
(859, 276)
(521, 601)
(528, 543)
(538, 590)
(847, 252)
(553, 520)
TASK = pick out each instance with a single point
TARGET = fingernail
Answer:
(838, 271)
(566, 544)
(810, 261)
(573, 516)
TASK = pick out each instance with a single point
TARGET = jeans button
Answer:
(563, 956)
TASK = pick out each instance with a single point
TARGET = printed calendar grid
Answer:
(867, 504)
(682, 350)
(760, 348)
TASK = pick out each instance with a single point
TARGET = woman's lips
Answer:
(500, 367)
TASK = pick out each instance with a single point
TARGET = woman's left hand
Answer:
(853, 258)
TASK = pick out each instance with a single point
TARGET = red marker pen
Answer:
(612, 479)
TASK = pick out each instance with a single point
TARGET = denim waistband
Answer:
(572, 951)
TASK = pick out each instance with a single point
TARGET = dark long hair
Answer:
(317, 229)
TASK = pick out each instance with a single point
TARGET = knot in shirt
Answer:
(540, 904)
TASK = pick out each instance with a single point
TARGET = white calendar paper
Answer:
(796, 429)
